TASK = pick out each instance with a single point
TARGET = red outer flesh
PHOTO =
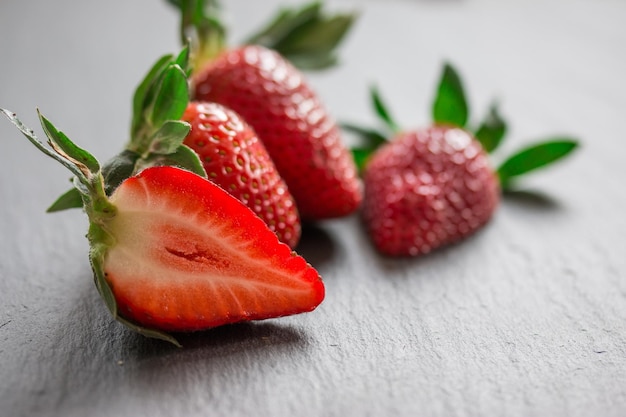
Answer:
(300, 136)
(237, 161)
(189, 256)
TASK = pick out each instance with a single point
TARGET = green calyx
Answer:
(156, 139)
(200, 26)
(156, 132)
(450, 107)
(306, 36)
(90, 187)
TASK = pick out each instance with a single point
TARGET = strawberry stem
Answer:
(200, 27)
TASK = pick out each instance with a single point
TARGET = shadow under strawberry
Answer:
(316, 245)
(531, 200)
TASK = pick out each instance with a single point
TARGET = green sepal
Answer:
(169, 137)
(96, 258)
(159, 96)
(151, 333)
(382, 110)
(65, 147)
(119, 168)
(450, 105)
(373, 137)
(184, 157)
(200, 22)
(144, 92)
(305, 36)
(313, 62)
(90, 186)
(372, 140)
(492, 130)
(533, 157)
(361, 156)
(116, 170)
(182, 59)
(283, 23)
(69, 200)
(171, 98)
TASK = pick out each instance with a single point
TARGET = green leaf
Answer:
(373, 137)
(182, 60)
(169, 137)
(116, 170)
(184, 157)
(30, 135)
(85, 161)
(144, 92)
(450, 105)
(70, 199)
(318, 35)
(313, 62)
(285, 22)
(492, 130)
(382, 111)
(119, 168)
(172, 96)
(533, 157)
(200, 24)
(305, 36)
(151, 333)
(361, 156)
(372, 140)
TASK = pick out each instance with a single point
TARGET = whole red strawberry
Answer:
(431, 187)
(426, 189)
(301, 137)
(236, 160)
(274, 98)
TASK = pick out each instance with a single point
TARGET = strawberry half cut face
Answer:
(189, 256)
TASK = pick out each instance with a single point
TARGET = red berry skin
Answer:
(300, 136)
(186, 256)
(426, 189)
(236, 160)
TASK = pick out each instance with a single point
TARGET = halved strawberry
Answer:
(189, 256)
(236, 159)
(171, 251)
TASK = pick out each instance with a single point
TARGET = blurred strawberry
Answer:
(431, 187)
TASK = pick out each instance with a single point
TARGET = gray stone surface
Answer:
(527, 318)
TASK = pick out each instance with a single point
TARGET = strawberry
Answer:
(430, 187)
(274, 98)
(302, 139)
(236, 160)
(171, 251)
(426, 189)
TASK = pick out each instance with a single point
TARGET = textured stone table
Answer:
(527, 318)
